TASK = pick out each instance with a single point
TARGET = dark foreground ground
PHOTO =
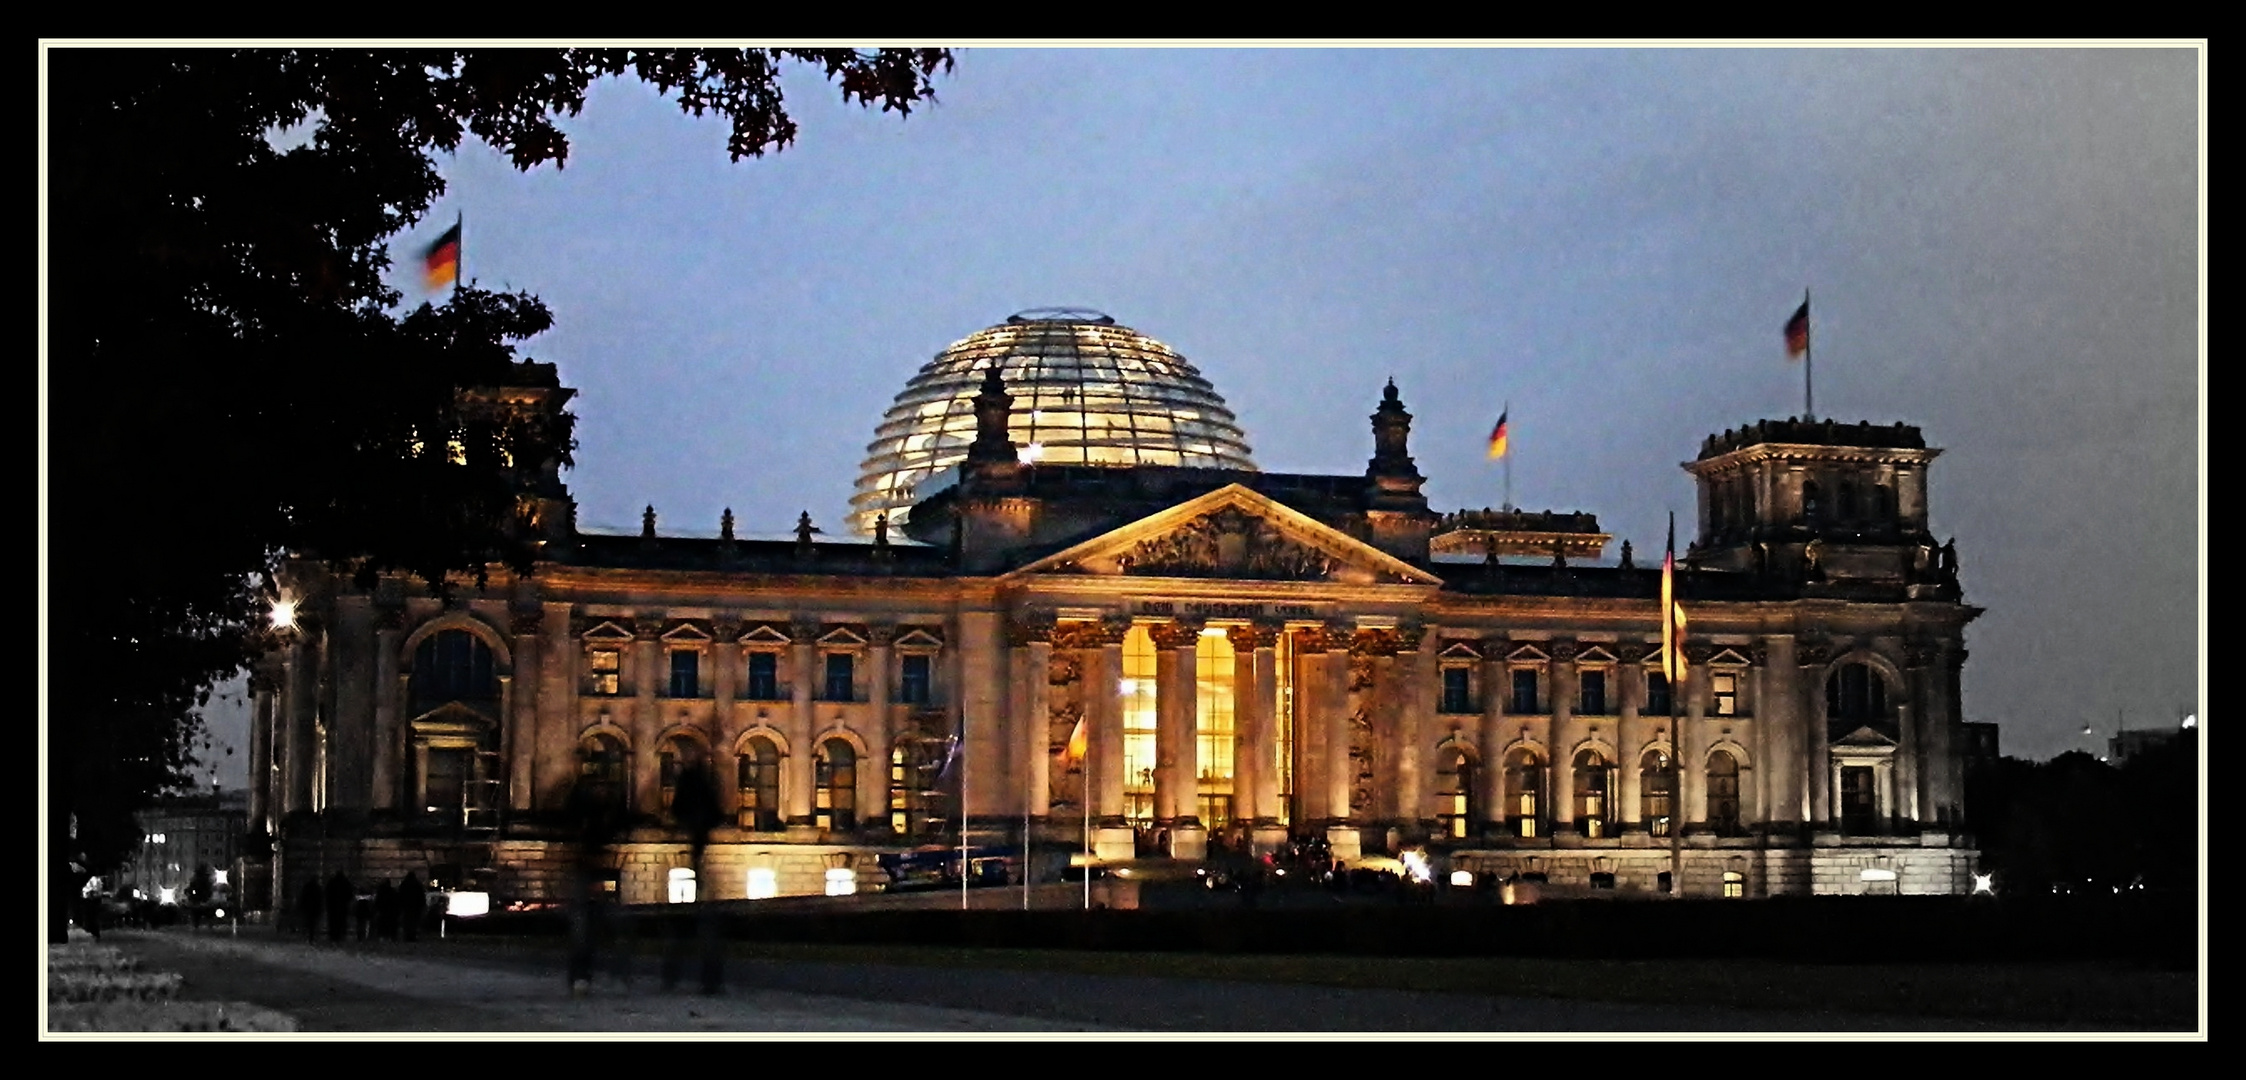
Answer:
(499, 984)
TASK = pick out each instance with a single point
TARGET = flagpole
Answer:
(1808, 363)
(460, 250)
(965, 867)
(1673, 670)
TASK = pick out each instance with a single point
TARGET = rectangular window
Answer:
(1725, 689)
(764, 676)
(1524, 692)
(913, 681)
(686, 673)
(839, 672)
(1458, 690)
(604, 663)
(1657, 693)
(1594, 686)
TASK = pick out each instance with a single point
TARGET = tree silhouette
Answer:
(226, 381)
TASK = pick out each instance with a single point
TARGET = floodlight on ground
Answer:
(468, 905)
(1462, 879)
(1984, 884)
(283, 614)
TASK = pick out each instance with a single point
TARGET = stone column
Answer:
(1758, 787)
(389, 748)
(1629, 737)
(555, 767)
(647, 717)
(298, 707)
(353, 719)
(261, 748)
(1415, 721)
(1497, 682)
(522, 719)
(1310, 725)
(1255, 693)
(985, 771)
(1564, 736)
(1340, 771)
(1177, 772)
(1692, 738)
(873, 775)
(1029, 665)
(1907, 772)
(1817, 757)
(798, 777)
(1939, 722)
(1103, 673)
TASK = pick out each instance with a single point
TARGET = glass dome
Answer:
(1086, 391)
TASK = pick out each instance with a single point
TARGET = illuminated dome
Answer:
(1085, 390)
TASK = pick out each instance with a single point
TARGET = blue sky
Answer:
(2003, 244)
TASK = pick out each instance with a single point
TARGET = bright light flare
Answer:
(763, 883)
(468, 905)
(1415, 863)
(284, 614)
(681, 885)
(1462, 879)
(1984, 884)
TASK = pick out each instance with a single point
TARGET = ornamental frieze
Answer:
(1253, 636)
(1376, 642)
(1078, 635)
(1813, 653)
(1176, 634)
(1631, 652)
(1228, 543)
(1063, 670)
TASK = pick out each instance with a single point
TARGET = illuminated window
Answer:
(1724, 692)
(1213, 726)
(1593, 697)
(1591, 794)
(764, 676)
(763, 884)
(1458, 690)
(1524, 788)
(1734, 884)
(605, 667)
(759, 783)
(1653, 792)
(1723, 793)
(1138, 725)
(836, 806)
(1524, 692)
(1454, 803)
(681, 885)
(914, 684)
(841, 678)
(686, 673)
(600, 767)
(916, 806)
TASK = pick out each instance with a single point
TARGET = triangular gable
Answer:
(1730, 658)
(452, 716)
(921, 638)
(1461, 650)
(1594, 655)
(1866, 738)
(607, 631)
(1526, 653)
(687, 632)
(764, 633)
(842, 635)
(1233, 533)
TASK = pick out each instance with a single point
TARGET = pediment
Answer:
(1595, 654)
(687, 633)
(1865, 738)
(1461, 650)
(918, 637)
(843, 636)
(764, 633)
(607, 630)
(1729, 658)
(1233, 533)
(451, 717)
(1527, 654)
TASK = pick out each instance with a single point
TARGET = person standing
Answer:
(386, 911)
(413, 905)
(308, 909)
(338, 905)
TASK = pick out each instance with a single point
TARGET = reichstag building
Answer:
(1069, 604)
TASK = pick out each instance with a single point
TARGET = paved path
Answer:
(477, 986)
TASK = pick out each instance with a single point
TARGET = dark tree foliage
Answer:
(2076, 824)
(226, 379)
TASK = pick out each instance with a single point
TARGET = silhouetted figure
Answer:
(386, 911)
(308, 909)
(413, 905)
(338, 905)
(596, 818)
(362, 915)
(694, 806)
(89, 915)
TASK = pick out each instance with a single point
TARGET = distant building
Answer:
(2130, 742)
(1255, 660)
(180, 834)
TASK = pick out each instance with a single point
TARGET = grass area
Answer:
(2075, 994)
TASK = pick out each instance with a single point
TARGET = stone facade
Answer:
(1148, 660)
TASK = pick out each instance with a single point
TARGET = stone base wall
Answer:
(1919, 871)
(540, 871)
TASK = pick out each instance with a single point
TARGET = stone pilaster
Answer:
(1103, 673)
(261, 748)
(798, 776)
(1176, 773)
(1565, 734)
(1415, 721)
(880, 733)
(522, 715)
(554, 764)
(1340, 771)
(1630, 733)
(298, 706)
(647, 716)
(1692, 739)
(1255, 693)
(353, 720)
(1497, 682)
(388, 747)
(984, 774)
(1778, 713)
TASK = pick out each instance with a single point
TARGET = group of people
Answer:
(387, 912)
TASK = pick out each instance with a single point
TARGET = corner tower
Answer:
(1818, 501)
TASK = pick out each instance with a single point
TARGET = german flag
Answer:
(1078, 741)
(1672, 614)
(1499, 435)
(440, 264)
(1797, 331)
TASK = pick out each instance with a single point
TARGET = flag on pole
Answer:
(1797, 331)
(1672, 613)
(440, 264)
(1499, 435)
(950, 769)
(1078, 741)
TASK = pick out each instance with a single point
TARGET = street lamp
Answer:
(284, 614)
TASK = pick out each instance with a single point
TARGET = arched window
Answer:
(1723, 793)
(1524, 790)
(837, 768)
(1654, 801)
(1810, 503)
(1454, 802)
(916, 806)
(759, 769)
(600, 767)
(1591, 794)
(1885, 497)
(678, 755)
(1856, 693)
(452, 665)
